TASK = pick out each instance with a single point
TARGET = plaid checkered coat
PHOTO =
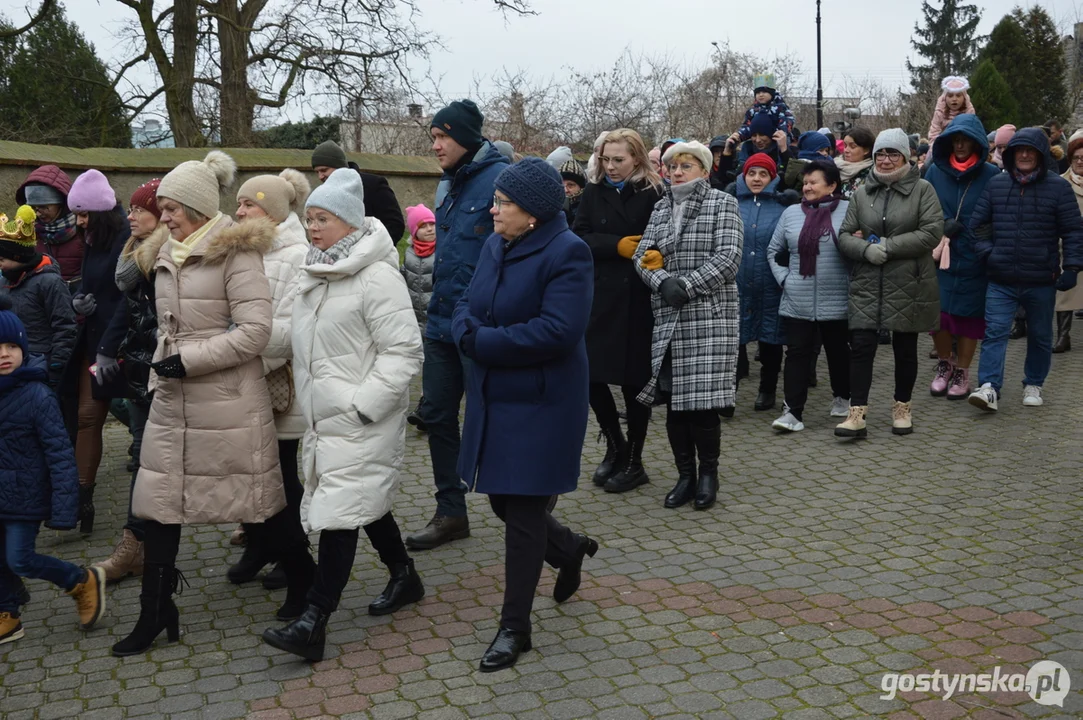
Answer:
(702, 336)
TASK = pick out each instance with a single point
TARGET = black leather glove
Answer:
(788, 197)
(673, 292)
(170, 367)
(782, 257)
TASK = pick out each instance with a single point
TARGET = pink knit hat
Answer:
(416, 215)
(91, 193)
(1004, 134)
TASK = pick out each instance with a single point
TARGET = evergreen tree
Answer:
(1008, 49)
(57, 91)
(1045, 79)
(301, 135)
(947, 41)
(992, 96)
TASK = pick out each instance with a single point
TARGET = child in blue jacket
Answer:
(770, 102)
(39, 483)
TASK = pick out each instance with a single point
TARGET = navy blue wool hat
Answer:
(462, 120)
(535, 186)
(12, 329)
(763, 124)
(810, 143)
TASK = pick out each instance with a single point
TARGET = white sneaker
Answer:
(985, 398)
(840, 407)
(788, 423)
(1032, 395)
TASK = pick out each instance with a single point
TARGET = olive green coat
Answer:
(901, 295)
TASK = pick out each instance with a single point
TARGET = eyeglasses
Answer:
(892, 155)
(500, 202)
(136, 210)
(1077, 160)
(683, 167)
(318, 223)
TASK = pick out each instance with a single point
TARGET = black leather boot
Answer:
(765, 400)
(1064, 329)
(157, 612)
(571, 575)
(614, 446)
(86, 509)
(505, 649)
(708, 442)
(276, 579)
(304, 637)
(631, 474)
(1019, 328)
(300, 571)
(684, 455)
(254, 558)
(415, 419)
(403, 588)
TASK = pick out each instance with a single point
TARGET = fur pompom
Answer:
(301, 188)
(223, 167)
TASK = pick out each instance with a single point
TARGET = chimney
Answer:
(414, 110)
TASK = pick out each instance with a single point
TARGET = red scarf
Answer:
(424, 248)
(964, 165)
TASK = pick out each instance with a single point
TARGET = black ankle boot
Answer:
(1064, 330)
(571, 575)
(765, 400)
(157, 612)
(86, 509)
(304, 637)
(300, 571)
(1019, 329)
(252, 560)
(505, 649)
(684, 455)
(631, 474)
(708, 442)
(614, 447)
(403, 588)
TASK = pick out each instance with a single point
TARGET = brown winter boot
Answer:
(89, 596)
(127, 559)
(854, 425)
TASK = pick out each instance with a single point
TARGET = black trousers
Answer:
(336, 556)
(803, 337)
(698, 418)
(862, 353)
(770, 365)
(531, 537)
(605, 410)
(295, 491)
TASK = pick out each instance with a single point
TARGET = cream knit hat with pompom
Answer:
(197, 183)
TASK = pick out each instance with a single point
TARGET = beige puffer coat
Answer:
(283, 267)
(210, 452)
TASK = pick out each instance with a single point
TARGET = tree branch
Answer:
(45, 9)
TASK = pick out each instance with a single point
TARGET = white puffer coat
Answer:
(283, 267)
(356, 347)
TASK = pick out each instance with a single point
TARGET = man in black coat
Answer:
(380, 200)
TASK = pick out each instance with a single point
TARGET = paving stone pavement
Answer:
(825, 565)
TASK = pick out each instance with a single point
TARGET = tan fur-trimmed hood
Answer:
(249, 236)
(146, 251)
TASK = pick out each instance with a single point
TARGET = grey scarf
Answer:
(337, 251)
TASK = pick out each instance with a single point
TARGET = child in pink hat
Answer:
(953, 101)
(417, 269)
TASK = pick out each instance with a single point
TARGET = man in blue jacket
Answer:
(463, 224)
(1028, 227)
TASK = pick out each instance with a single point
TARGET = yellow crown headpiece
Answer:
(21, 229)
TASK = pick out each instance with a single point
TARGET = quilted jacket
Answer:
(1030, 224)
(759, 292)
(40, 298)
(38, 478)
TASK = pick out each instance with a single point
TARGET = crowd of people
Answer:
(265, 359)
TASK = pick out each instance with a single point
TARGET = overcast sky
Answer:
(859, 38)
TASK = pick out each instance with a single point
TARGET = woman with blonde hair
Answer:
(613, 214)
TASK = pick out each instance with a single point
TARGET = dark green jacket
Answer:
(901, 295)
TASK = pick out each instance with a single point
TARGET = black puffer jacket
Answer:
(1022, 229)
(39, 296)
(137, 347)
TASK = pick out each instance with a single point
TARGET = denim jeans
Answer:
(443, 383)
(137, 416)
(1001, 303)
(18, 559)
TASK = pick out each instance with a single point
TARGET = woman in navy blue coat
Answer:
(102, 313)
(522, 322)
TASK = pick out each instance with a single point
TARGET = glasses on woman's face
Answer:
(1077, 160)
(499, 202)
(683, 167)
(317, 222)
(892, 155)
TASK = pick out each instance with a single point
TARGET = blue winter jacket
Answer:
(38, 478)
(526, 401)
(1027, 226)
(963, 284)
(463, 223)
(759, 293)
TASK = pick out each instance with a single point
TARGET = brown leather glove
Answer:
(652, 260)
(626, 246)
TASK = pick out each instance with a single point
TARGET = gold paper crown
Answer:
(21, 229)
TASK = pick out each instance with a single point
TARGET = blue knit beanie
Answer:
(462, 120)
(810, 143)
(343, 196)
(12, 329)
(535, 186)
(763, 124)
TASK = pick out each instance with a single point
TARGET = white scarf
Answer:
(849, 169)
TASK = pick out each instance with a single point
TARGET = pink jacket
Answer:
(942, 116)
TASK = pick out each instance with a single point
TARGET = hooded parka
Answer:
(901, 295)
(356, 347)
(210, 451)
(760, 295)
(69, 253)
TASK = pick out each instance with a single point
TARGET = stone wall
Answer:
(413, 179)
